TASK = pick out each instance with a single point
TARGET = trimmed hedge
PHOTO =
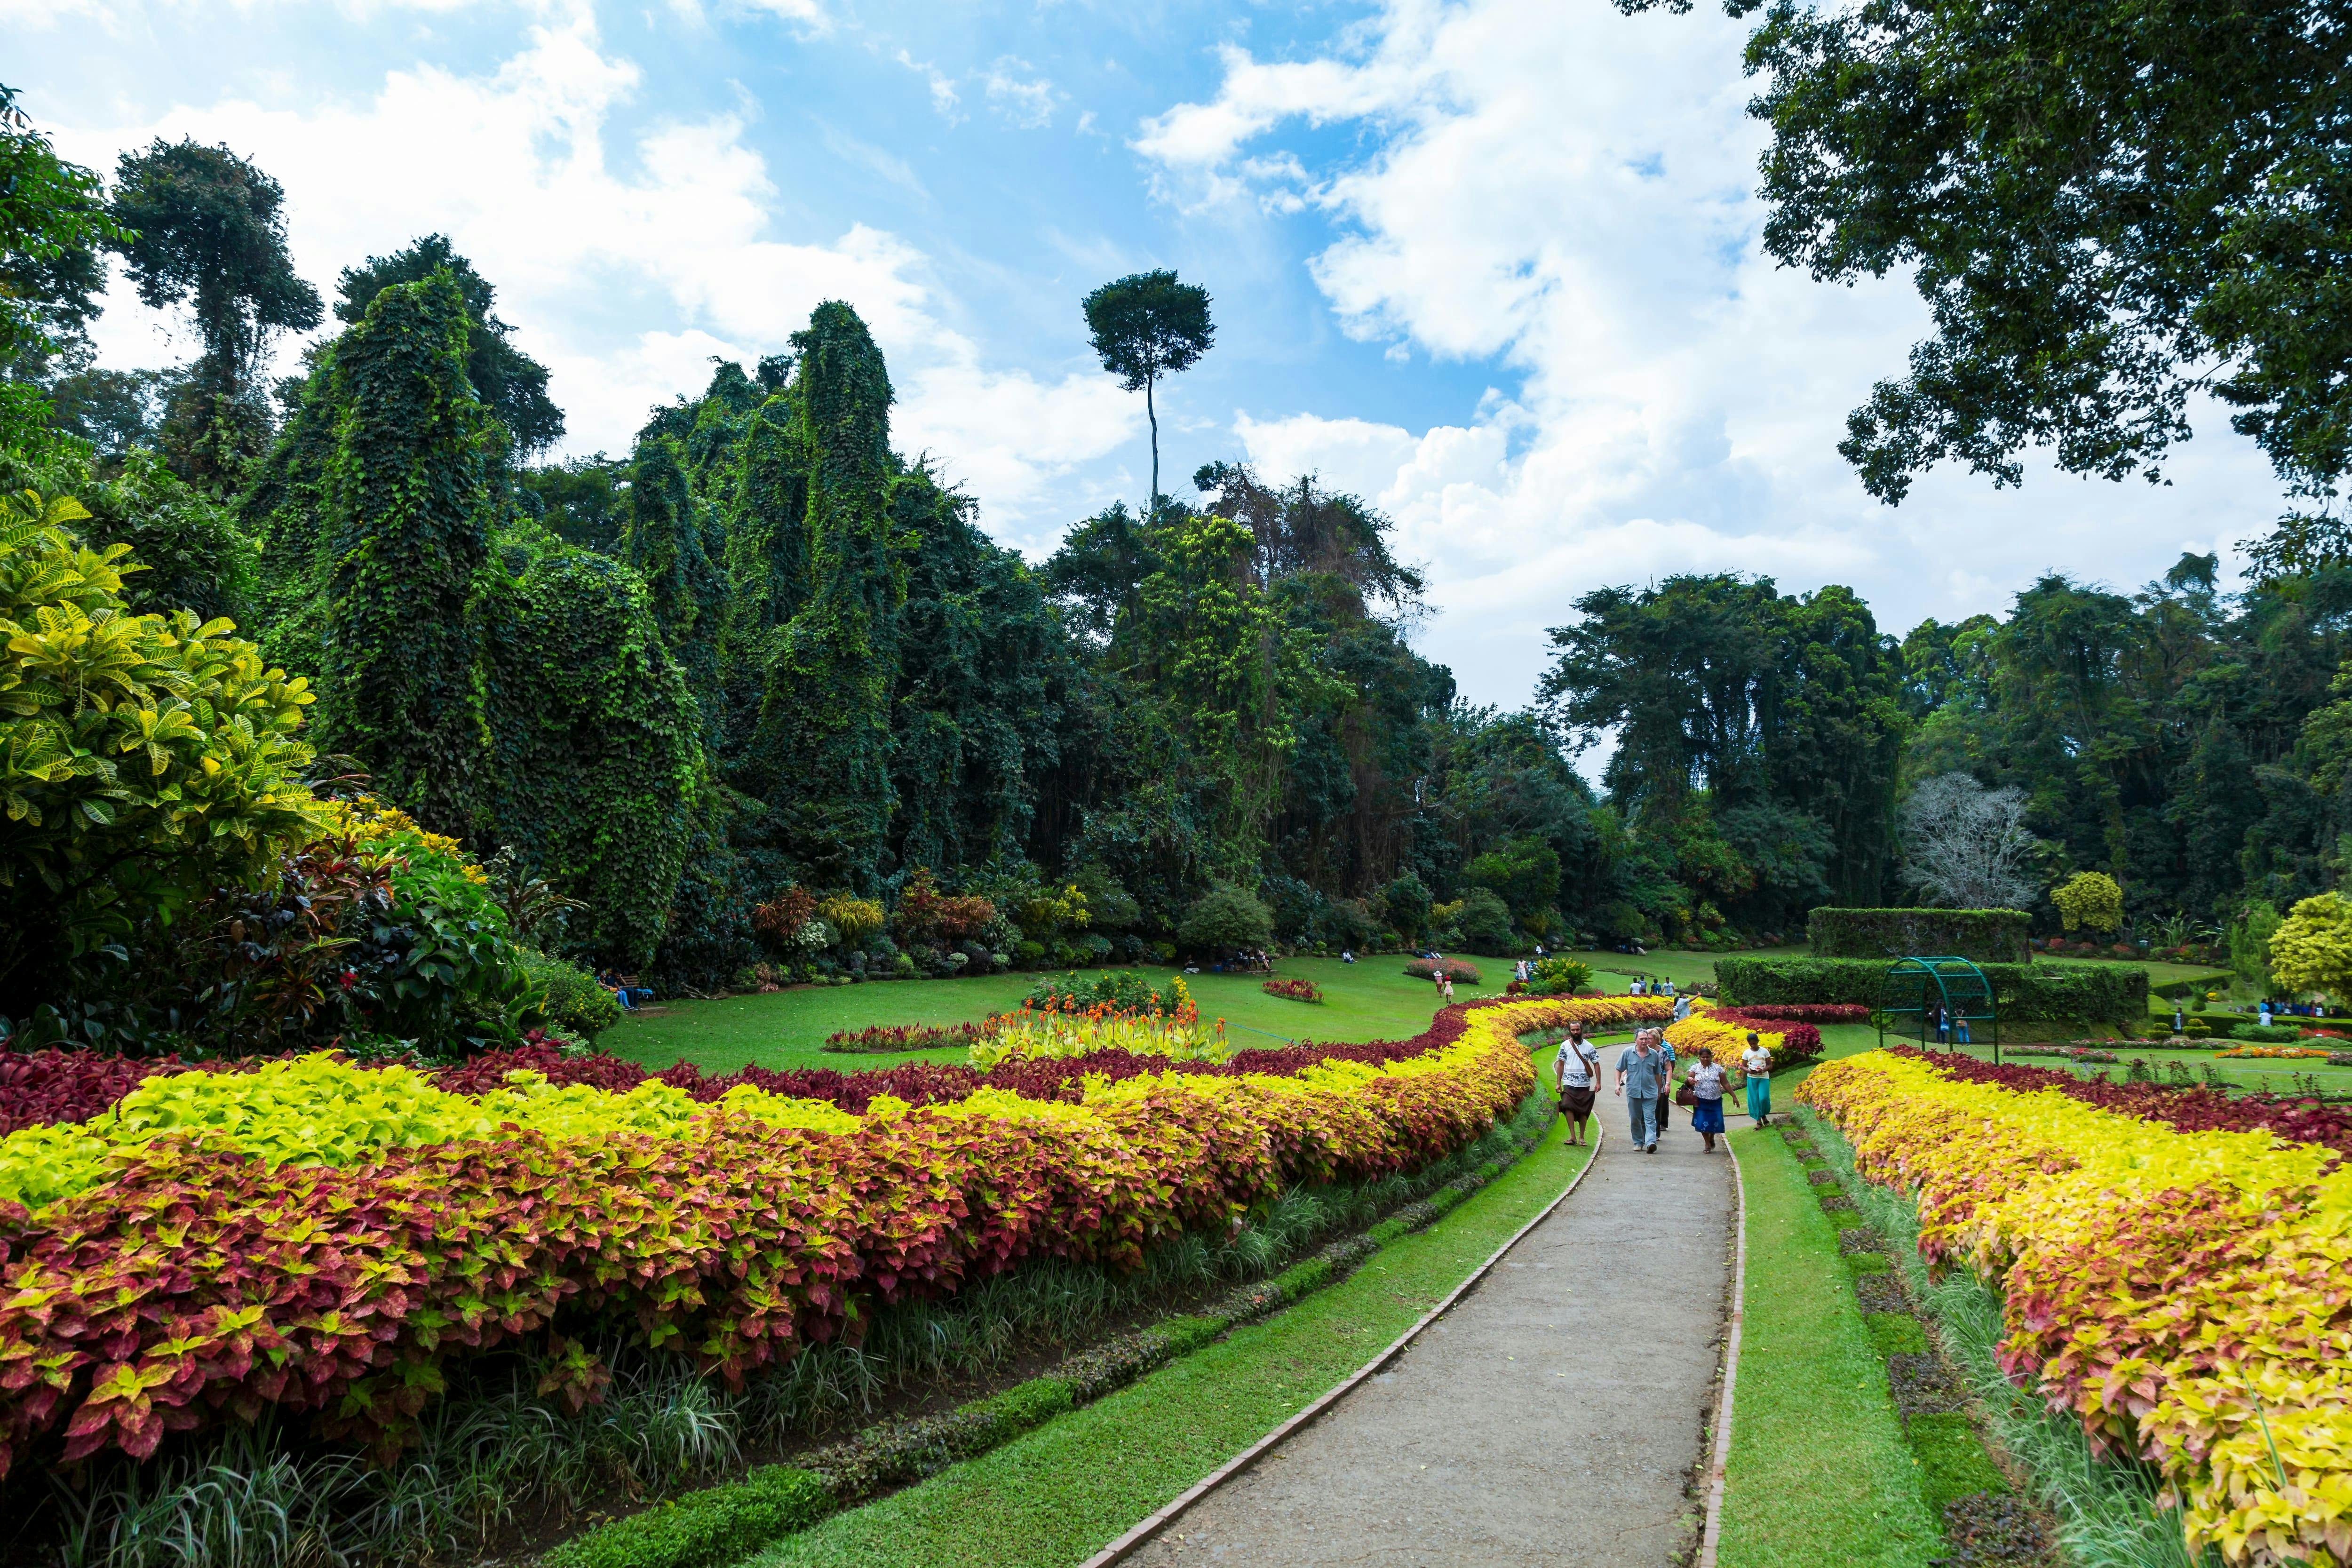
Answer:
(1987, 936)
(2026, 992)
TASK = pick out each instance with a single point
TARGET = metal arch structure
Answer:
(1915, 989)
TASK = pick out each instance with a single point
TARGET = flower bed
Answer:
(2274, 1053)
(880, 1038)
(2177, 1289)
(324, 1237)
(1459, 969)
(1296, 990)
(1814, 1013)
(2200, 1109)
(1725, 1031)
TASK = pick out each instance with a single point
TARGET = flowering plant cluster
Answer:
(2180, 1292)
(2275, 1053)
(1031, 1033)
(2200, 1109)
(1725, 1031)
(1815, 1013)
(1297, 990)
(907, 1037)
(325, 1237)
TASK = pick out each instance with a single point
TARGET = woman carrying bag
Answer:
(1702, 1090)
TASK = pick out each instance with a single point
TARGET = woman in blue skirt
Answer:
(1705, 1081)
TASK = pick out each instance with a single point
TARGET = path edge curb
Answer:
(1711, 1535)
(1152, 1524)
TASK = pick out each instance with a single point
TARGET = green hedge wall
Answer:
(1987, 936)
(2026, 992)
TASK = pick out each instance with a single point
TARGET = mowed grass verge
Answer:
(1371, 999)
(1063, 1492)
(1819, 1472)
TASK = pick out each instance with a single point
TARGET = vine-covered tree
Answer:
(510, 384)
(408, 528)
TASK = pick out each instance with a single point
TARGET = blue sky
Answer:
(1491, 264)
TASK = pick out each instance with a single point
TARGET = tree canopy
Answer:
(2109, 210)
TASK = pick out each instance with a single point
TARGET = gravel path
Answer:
(1554, 1415)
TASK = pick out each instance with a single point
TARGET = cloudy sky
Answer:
(1492, 265)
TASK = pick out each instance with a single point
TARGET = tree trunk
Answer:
(1151, 507)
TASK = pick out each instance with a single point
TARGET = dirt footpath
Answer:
(1553, 1415)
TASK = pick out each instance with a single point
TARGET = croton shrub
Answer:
(326, 1237)
(2174, 1265)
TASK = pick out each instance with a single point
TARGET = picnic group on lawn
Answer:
(1645, 1071)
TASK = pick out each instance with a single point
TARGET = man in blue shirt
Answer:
(1641, 1070)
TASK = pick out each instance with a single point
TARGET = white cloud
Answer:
(943, 90)
(516, 166)
(1566, 193)
(1017, 93)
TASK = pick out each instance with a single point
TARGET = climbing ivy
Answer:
(406, 531)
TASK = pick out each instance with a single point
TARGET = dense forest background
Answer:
(766, 656)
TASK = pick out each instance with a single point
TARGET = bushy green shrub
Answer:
(1226, 917)
(1987, 936)
(2276, 1035)
(576, 1002)
(705, 1529)
(2026, 992)
(1485, 922)
(1561, 976)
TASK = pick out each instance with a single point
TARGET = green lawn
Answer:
(1371, 999)
(1061, 1492)
(1819, 1472)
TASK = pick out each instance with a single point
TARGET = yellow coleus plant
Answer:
(2183, 1295)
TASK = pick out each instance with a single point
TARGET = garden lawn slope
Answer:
(323, 1237)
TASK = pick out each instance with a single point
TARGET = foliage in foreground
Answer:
(739, 1232)
(2177, 1292)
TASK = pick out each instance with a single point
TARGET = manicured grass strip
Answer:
(1819, 1471)
(1060, 1493)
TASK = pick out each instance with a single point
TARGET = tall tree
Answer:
(1144, 326)
(2109, 208)
(824, 725)
(204, 227)
(510, 383)
(407, 524)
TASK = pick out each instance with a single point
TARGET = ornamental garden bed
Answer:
(2133, 1230)
(340, 1247)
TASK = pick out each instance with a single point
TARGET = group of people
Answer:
(1645, 1073)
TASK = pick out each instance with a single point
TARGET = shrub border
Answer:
(715, 1526)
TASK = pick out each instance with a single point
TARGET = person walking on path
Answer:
(1682, 1008)
(1666, 1079)
(1446, 988)
(1706, 1082)
(1580, 1077)
(1757, 1063)
(1640, 1072)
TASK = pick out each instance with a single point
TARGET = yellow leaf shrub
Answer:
(2187, 1296)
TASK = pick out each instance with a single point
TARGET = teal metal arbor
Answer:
(1917, 989)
